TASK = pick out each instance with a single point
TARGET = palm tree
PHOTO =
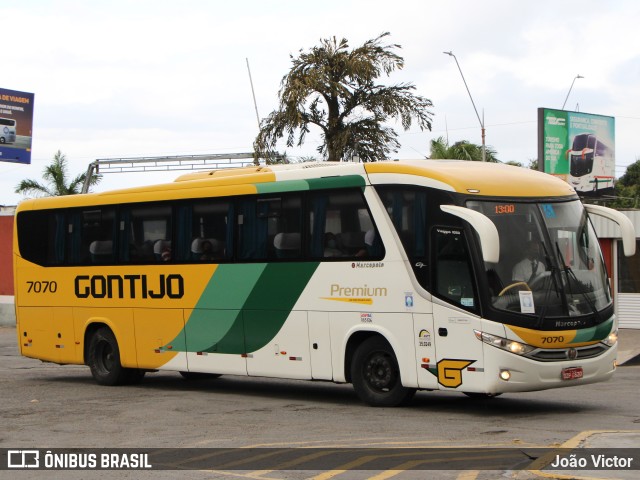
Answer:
(461, 150)
(56, 176)
(334, 88)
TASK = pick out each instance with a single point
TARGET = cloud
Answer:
(149, 78)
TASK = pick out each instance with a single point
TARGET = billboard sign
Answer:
(579, 148)
(16, 125)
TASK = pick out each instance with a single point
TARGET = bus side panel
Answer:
(425, 344)
(157, 341)
(37, 339)
(287, 354)
(320, 346)
(119, 320)
(47, 333)
(215, 341)
(396, 328)
(64, 336)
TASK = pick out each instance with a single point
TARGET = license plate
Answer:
(572, 373)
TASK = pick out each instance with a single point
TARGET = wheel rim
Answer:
(379, 372)
(105, 357)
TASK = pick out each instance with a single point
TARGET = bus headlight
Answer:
(505, 344)
(611, 339)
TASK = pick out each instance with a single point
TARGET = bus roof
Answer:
(486, 179)
(483, 179)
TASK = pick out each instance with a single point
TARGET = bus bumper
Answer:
(507, 372)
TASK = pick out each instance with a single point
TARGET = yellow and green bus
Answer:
(393, 276)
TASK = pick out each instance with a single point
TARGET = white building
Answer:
(624, 271)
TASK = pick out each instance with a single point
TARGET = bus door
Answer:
(460, 363)
(425, 350)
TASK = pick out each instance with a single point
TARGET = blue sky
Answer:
(146, 78)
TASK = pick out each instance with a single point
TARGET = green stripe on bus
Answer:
(345, 181)
(217, 313)
(244, 306)
(591, 334)
(272, 299)
(283, 186)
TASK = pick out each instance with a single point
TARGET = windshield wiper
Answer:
(569, 272)
(552, 269)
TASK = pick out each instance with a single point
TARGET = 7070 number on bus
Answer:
(42, 287)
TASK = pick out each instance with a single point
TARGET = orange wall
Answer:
(6, 248)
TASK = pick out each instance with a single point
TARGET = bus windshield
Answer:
(550, 260)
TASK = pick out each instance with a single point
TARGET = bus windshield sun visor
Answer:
(486, 229)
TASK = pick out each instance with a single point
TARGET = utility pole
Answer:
(574, 81)
(484, 149)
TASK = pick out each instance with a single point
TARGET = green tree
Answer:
(627, 188)
(334, 88)
(631, 175)
(462, 150)
(626, 197)
(57, 181)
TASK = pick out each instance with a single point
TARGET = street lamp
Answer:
(574, 81)
(484, 150)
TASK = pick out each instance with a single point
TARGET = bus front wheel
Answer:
(104, 360)
(375, 375)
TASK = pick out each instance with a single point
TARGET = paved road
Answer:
(52, 406)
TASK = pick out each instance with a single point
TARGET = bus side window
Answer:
(93, 231)
(42, 236)
(207, 235)
(341, 226)
(146, 235)
(270, 228)
(407, 209)
(453, 273)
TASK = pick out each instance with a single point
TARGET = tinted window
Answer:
(210, 231)
(341, 226)
(147, 230)
(91, 234)
(41, 236)
(407, 209)
(270, 228)
(453, 273)
(319, 225)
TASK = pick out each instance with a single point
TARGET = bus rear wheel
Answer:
(375, 375)
(104, 360)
